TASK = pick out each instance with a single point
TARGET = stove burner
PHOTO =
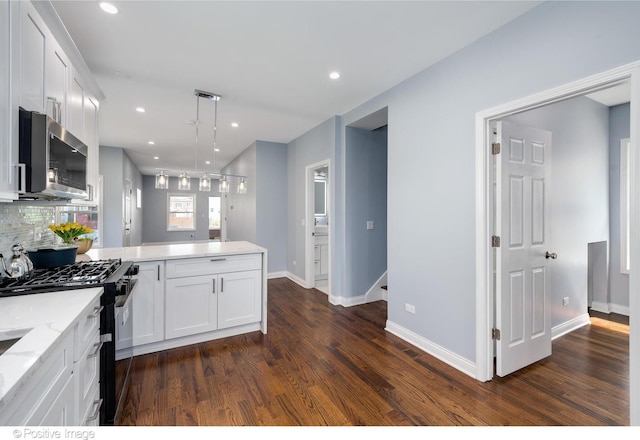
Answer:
(80, 274)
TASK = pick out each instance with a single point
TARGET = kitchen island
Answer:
(188, 293)
(43, 374)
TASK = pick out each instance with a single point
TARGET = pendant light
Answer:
(242, 186)
(162, 180)
(205, 183)
(184, 182)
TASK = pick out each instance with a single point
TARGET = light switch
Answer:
(370, 224)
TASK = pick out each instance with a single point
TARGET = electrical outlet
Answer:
(294, 262)
(410, 308)
(370, 224)
(565, 301)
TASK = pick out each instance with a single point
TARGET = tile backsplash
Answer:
(27, 225)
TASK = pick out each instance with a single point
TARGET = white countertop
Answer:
(43, 319)
(173, 251)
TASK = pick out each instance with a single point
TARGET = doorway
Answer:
(318, 227)
(485, 299)
(128, 219)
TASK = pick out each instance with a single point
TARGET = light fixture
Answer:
(334, 75)
(223, 187)
(184, 179)
(242, 186)
(140, 109)
(151, 143)
(108, 8)
(205, 183)
(184, 182)
(162, 180)
(235, 124)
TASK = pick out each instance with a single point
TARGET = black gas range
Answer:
(116, 278)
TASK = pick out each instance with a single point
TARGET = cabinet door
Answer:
(8, 136)
(148, 304)
(75, 106)
(32, 53)
(191, 305)
(91, 139)
(324, 259)
(56, 82)
(62, 412)
(239, 298)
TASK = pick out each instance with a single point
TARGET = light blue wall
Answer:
(314, 146)
(431, 168)
(260, 215)
(619, 122)
(112, 173)
(366, 197)
(271, 202)
(155, 205)
(579, 195)
(115, 167)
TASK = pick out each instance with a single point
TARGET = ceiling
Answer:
(269, 61)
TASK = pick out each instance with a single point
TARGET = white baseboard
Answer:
(569, 326)
(296, 279)
(603, 307)
(281, 274)
(435, 350)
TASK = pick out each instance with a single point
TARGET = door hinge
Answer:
(495, 334)
(495, 241)
(495, 148)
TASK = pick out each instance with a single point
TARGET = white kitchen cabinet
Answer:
(8, 123)
(46, 395)
(239, 298)
(57, 67)
(87, 364)
(146, 324)
(32, 48)
(192, 305)
(206, 294)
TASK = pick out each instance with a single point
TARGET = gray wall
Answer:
(115, 167)
(314, 146)
(579, 195)
(366, 195)
(260, 215)
(619, 122)
(154, 209)
(432, 150)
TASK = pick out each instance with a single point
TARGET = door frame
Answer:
(485, 300)
(309, 271)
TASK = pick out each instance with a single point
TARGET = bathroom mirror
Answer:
(320, 197)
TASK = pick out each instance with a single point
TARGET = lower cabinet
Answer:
(211, 302)
(141, 320)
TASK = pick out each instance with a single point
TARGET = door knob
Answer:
(551, 255)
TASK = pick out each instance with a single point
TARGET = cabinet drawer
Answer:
(87, 374)
(321, 239)
(43, 388)
(87, 326)
(212, 265)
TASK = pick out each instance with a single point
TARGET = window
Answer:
(625, 186)
(181, 212)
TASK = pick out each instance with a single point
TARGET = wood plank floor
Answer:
(324, 365)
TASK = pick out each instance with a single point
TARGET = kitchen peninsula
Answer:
(188, 293)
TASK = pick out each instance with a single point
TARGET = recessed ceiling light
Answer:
(156, 157)
(208, 162)
(235, 124)
(334, 75)
(151, 143)
(108, 8)
(140, 109)
(216, 149)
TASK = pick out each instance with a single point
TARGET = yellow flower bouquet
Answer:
(70, 231)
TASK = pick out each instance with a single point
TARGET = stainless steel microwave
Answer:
(53, 162)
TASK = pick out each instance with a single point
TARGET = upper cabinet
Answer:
(42, 71)
(8, 151)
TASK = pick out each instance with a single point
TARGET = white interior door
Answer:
(522, 222)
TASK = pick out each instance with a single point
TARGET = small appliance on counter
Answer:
(21, 266)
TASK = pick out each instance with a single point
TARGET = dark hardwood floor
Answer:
(325, 365)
